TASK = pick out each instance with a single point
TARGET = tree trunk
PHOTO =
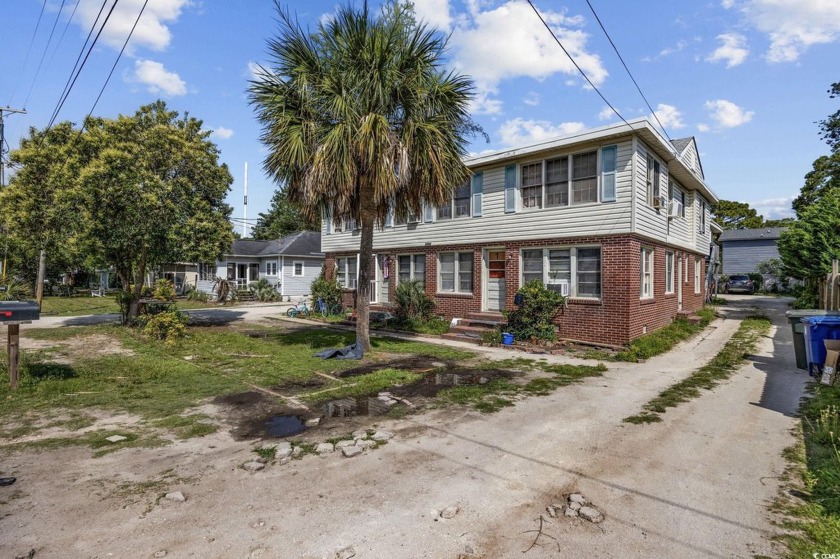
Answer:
(39, 284)
(134, 307)
(366, 272)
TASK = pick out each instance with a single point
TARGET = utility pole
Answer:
(3, 141)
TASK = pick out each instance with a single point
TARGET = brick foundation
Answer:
(616, 318)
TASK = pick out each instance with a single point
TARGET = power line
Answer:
(44, 54)
(29, 49)
(66, 25)
(582, 73)
(629, 73)
(71, 81)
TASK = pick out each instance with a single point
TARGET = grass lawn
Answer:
(79, 306)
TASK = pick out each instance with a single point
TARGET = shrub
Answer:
(411, 301)
(14, 290)
(758, 282)
(194, 294)
(124, 298)
(164, 290)
(169, 326)
(328, 291)
(225, 290)
(264, 291)
(533, 320)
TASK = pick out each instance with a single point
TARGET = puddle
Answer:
(284, 426)
(349, 407)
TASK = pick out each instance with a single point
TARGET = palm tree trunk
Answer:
(366, 272)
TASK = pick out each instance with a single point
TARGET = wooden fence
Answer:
(830, 289)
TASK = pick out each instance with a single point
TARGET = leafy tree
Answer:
(736, 215)
(784, 222)
(38, 209)
(152, 193)
(808, 246)
(360, 119)
(283, 218)
(825, 175)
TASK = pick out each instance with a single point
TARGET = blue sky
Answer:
(747, 78)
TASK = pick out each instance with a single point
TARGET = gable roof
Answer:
(302, 243)
(681, 143)
(765, 233)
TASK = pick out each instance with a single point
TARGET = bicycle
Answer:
(325, 310)
(298, 310)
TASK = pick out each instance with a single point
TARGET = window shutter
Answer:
(328, 223)
(477, 192)
(608, 164)
(510, 189)
(428, 213)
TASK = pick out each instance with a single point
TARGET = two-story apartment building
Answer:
(616, 218)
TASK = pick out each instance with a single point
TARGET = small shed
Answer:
(743, 249)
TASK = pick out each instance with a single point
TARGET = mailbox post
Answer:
(13, 314)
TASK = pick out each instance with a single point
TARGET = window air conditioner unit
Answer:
(674, 208)
(561, 287)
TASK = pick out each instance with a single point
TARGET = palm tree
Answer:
(361, 119)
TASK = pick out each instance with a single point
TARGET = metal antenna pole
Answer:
(3, 141)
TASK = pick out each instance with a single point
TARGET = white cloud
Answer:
(509, 41)
(532, 99)
(221, 133)
(669, 116)
(157, 79)
(518, 132)
(671, 50)
(483, 104)
(152, 30)
(727, 114)
(791, 25)
(702, 127)
(775, 208)
(254, 72)
(606, 114)
(433, 12)
(733, 49)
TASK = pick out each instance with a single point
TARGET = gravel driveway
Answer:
(695, 485)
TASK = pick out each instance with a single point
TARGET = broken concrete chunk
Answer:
(342, 444)
(324, 448)
(449, 512)
(571, 512)
(313, 422)
(283, 450)
(351, 451)
(161, 553)
(286, 460)
(116, 439)
(575, 506)
(297, 451)
(360, 434)
(175, 496)
(253, 466)
(362, 443)
(551, 512)
(382, 436)
(577, 498)
(591, 514)
(345, 553)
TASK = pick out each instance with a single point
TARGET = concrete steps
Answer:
(473, 327)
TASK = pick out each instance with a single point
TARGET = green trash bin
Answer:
(798, 329)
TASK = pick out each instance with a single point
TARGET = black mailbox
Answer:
(19, 311)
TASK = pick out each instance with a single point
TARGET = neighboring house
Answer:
(617, 218)
(291, 264)
(743, 249)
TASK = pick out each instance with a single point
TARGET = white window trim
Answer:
(271, 264)
(670, 270)
(302, 268)
(647, 264)
(457, 285)
(696, 275)
(412, 272)
(570, 156)
(573, 287)
(436, 215)
(685, 269)
(346, 259)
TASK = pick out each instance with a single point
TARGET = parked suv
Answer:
(740, 284)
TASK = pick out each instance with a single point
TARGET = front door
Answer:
(494, 262)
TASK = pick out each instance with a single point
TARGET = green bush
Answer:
(14, 290)
(264, 291)
(194, 294)
(412, 303)
(327, 291)
(164, 290)
(169, 326)
(124, 298)
(534, 319)
(758, 282)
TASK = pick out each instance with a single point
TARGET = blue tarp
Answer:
(352, 351)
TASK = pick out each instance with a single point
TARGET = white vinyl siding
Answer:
(669, 272)
(646, 274)
(579, 267)
(455, 272)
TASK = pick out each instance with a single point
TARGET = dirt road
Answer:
(695, 485)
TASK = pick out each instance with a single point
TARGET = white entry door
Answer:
(494, 270)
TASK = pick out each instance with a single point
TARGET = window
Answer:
(669, 272)
(412, 267)
(585, 178)
(345, 271)
(297, 269)
(459, 206)
(569, 179)
(411, 218)
(271, 268)
(697, 266)
(646, 273)
(608, 166)
(455, 272)
(556, 266)
(653, 180)
(532, 185)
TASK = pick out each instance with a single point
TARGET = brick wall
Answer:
(616, 318)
